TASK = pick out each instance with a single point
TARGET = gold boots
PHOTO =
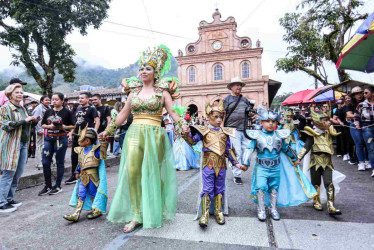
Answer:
(316, 200)
(75, 216)
(205, 205)
(330, 201)
(94, 214)
(220, 218)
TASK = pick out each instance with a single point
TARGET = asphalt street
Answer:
(38, 223)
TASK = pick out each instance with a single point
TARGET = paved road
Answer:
(38, 224)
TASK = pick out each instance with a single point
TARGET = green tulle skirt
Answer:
(147, 183)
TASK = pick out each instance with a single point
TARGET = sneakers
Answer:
(346, 157)
(46, 190)
(372, 174)
(367, 165)
(352, 162)
(55, 190)
(15, 203)
(361, 166)
(71, 180)
(339, 156)
(7, 208)
(238, 181)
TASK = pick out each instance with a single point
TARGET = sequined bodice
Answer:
(151, 105)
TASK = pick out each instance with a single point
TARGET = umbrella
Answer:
(297, 97)
(358, 53)
(345, 87)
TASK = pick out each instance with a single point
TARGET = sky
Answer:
(116, 46)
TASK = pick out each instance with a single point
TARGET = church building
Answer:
(219, 55)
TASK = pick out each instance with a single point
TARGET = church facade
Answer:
(219, 55)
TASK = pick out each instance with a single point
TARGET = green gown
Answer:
(147, 184)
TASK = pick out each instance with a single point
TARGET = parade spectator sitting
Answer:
(235, 106)
(39, 111)
(357, 95)
(364, 120)
(14, 137)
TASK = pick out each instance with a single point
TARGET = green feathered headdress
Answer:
(159, 58)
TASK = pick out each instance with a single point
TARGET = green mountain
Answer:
(86, 74)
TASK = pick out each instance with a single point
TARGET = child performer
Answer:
(319, 141)
(216, 146)
(90, 192)
(294, 139)
(274, 175)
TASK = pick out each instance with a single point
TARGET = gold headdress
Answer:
(317, 116)
(159, 58)
(210, 107)
(87, 133)
(288, 112)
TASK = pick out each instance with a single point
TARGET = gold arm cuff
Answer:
(189, 140)
(233, 154)
(111, 129)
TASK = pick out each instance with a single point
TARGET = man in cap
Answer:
(3, 98)
(235, 106)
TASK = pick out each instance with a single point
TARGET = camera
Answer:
(250, 109)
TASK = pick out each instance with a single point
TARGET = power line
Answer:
(149, 22)
(252, 12)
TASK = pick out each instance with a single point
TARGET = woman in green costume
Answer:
(146, 192)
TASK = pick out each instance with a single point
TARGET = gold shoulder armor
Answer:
(203, 130)
(78, 150)
(309, 131)
(333, 131)
(229, 131)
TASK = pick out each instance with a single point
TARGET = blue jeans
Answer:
(122, 137)
(171, 137)
(239, 143)
(52, 147)
(361, 152)
(368, 134)
(9, 179)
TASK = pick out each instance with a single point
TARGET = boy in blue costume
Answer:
(90, 190)
(276, 181)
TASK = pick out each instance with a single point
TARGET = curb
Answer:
(38, 179)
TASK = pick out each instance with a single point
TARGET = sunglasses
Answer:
(358, 93)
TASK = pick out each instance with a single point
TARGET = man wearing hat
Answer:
(235, 106)
(3, 98)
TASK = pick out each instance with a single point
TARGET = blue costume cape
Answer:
(294, 187)
(101, 197)
(185, 156)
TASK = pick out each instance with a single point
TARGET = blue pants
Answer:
(50, 148)
(122, 137)
(91, 189)
(368, 134)
(239, 143)
(213, 185)
(9, 179)
(361, 152)
(267, 178)
(171, 136)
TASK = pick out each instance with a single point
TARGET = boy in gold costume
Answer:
(90, 190)
(216, 146)
(319, 141)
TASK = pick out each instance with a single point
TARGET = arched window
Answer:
(218, 72)
(245, 70)
(191, 74)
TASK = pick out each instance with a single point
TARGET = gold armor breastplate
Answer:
(323, 143)
(89, 165)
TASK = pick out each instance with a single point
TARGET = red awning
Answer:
(309, 97)
(297, 97)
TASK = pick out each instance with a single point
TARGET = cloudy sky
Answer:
(116, 46)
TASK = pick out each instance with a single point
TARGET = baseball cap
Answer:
(17, 80)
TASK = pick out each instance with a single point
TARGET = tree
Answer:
(36, 30)
(278, 99)
(318, 35)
